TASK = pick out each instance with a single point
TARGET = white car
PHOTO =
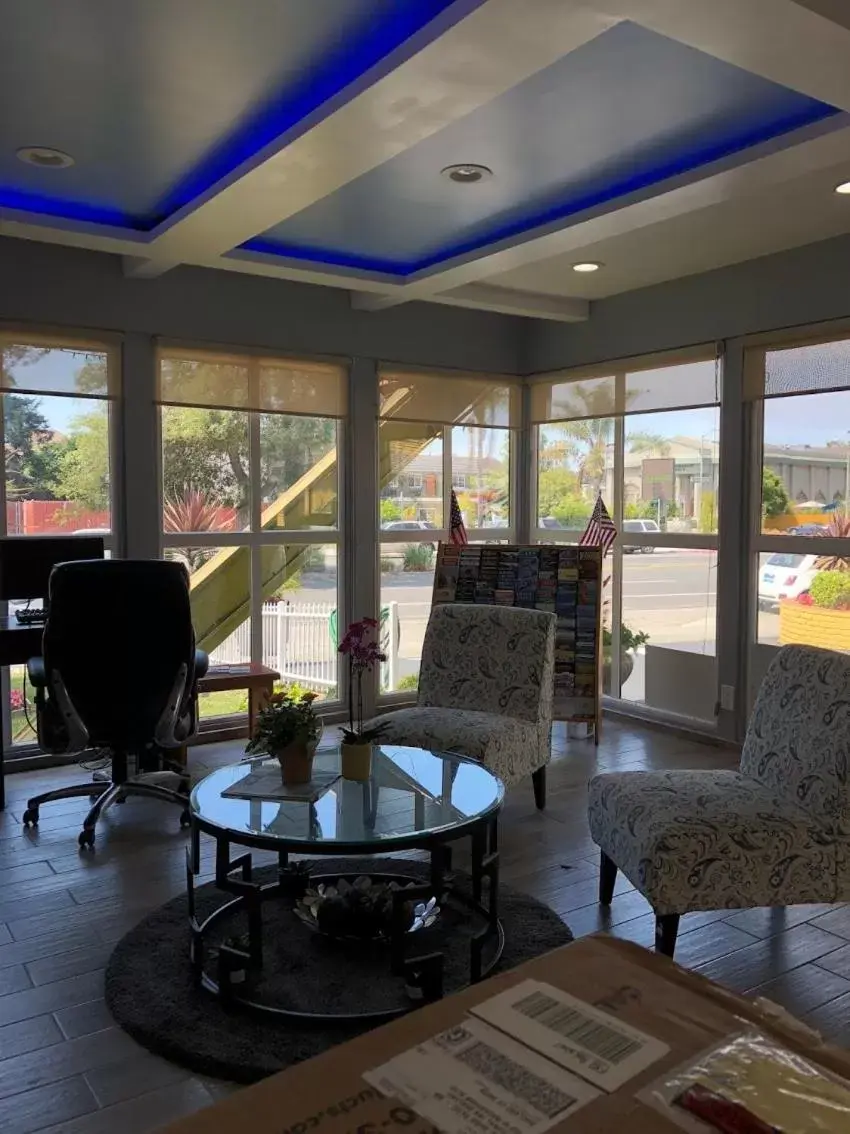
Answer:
(645, 527)
(785, 575)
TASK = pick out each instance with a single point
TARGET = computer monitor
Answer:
(26, 562)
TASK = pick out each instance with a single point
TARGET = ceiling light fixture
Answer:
(467, 174)
(587, 266)
(843, 188)
(45, 157)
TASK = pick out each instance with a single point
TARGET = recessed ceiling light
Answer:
(45, 157)
(587, 266)
(467, 174)
(844, 187)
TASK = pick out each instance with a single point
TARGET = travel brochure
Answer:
(565, 580)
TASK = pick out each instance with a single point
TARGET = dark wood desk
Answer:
(17, 645)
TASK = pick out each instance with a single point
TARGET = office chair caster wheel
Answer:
(86, 838)
(30, 817)
(185, 819)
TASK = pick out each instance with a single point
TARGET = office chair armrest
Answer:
(202, 664)
(36, 673)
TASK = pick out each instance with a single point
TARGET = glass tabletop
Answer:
(412, 794)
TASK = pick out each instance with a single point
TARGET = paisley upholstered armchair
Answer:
(774, 833)
(485, 690)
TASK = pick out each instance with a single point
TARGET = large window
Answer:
(57, 454)
(801, 400)
(250, 503)
(437, 434)
(647, 439)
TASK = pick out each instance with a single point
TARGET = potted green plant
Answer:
(288, 728)
(360, 646)
(629, 642)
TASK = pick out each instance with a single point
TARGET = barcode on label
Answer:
(605, 1042)
(510, 1076)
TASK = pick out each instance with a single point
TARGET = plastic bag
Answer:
(750, 1084)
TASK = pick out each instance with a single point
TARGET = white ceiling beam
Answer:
(508, 301)
(143, 268)
(479, 58)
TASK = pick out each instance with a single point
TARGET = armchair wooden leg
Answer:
(607, 879)
(538, 780)
(666, 928)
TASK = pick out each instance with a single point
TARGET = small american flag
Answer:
(457, 528)
(600, 530)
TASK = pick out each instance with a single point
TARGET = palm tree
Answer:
(642, 442)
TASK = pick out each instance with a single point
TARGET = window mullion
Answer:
(256, 505)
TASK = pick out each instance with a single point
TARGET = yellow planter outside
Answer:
(813, 626)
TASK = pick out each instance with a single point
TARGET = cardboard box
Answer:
(683, 1012)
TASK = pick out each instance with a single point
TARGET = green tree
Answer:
(83, 474)
(33, 457)
(775, 501)
(554, 486)
(390, 511)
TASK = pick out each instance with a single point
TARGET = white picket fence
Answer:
(297, 642)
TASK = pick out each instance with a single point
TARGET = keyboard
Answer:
(31, 617)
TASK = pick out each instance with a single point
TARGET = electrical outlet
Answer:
(727, 698)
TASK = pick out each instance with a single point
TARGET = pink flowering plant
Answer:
(360, 646)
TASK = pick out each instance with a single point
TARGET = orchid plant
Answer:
(360, 646)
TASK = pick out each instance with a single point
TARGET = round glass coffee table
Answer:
(390, 934)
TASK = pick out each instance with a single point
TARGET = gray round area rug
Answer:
(151, 992)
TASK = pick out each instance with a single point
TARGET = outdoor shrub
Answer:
(409, 682)
(418, 557)
(831, 589)
(387, 565)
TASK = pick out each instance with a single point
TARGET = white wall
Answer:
(805, 285)
(47, 284)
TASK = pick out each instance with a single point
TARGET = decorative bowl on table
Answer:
(362, 910)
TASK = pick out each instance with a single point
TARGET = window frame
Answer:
(254, 538)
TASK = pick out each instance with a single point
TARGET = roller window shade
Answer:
(45, 364)
(448, 399)
(270, 385)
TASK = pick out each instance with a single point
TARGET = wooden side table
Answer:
(257, 679)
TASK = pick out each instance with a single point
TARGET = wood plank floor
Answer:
(67, 1069)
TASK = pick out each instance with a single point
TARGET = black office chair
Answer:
(119, 671)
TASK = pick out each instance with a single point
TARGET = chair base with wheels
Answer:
(116, 790)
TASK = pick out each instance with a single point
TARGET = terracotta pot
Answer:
(296, 761)
(356, 761)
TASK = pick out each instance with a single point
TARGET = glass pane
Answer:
(298, 471)
(575, 461)
(481, 475)
(688, 384)
(410, 476)
(57, 465)
(406, 591)
(669, 617)
(301, 615)
(559, 401)
(806, 470)
(206, 479)
(670, 471)
(448, 398)
(19, 709)
(55, 370)
(220, 594)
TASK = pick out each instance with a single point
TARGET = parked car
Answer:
(396, 550)
(785, 575)
(639, 526)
